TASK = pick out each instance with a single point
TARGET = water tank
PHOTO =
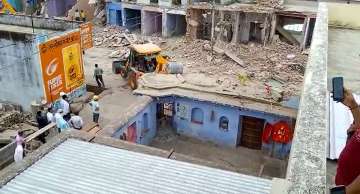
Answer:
(174, 68)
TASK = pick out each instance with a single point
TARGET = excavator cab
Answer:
(143, 58)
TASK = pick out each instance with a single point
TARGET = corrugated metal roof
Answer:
(81, 167)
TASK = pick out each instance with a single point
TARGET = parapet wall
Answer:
(38, 22)
(307, 162)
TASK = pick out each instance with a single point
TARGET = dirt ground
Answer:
(117, 95)
(240, 159)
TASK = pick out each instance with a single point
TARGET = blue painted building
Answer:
(223, 124)
(114, 13)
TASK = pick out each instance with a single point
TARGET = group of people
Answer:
(80, 16)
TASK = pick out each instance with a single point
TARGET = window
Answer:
(224, 123)
(197, 116)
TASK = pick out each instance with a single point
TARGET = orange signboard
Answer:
(61, 65)
(86, 35)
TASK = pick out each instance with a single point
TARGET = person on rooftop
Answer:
(77, 15)
(76, 121)
(61, 124)
(83, 15)
(95, 108)
(19, 150)
(65, 106)
(348, 170)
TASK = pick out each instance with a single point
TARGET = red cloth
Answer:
(281, 132)
(267, 133)
(349, 161)
(131, 133)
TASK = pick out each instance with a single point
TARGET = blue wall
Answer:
(114, 13)
(210, 130)
(139, 119)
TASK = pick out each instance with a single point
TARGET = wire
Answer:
(30, 40)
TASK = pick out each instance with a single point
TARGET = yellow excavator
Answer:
(6, 7)
(144, 58)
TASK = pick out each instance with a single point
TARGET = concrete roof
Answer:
(81, 167)
(131, 111)
(205, 89)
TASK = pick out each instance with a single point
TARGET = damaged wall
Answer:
(145, 125)
(229, 25)
(151, 22)
(20, 75)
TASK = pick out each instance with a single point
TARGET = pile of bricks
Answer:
(270, 3)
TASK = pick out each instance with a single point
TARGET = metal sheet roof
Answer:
(81, 167)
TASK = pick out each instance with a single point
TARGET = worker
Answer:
(60, 121)
(95, 109)
(348, 170)
(76, 121)
(42, 121)
(98, 76)
(65, 106)
(50, 115)
(83, 15)
(19, 150)
(77, 15)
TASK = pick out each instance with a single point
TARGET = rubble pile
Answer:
(10, 120)
(270, 3)
(278, 62)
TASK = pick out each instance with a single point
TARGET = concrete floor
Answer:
(240, 159)
(118, 95)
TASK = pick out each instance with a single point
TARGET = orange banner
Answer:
(86, 35)
(61, 65)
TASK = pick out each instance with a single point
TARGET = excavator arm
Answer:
(5, 6)
(161, 64)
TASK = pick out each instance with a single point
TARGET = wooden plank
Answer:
(94, 130)
(39, 132)
(88, 127)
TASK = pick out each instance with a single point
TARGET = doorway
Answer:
(251, 134)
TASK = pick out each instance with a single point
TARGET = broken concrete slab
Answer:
(235, 58)
(288, 36)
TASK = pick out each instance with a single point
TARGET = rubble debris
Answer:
(288, 36)
(10, 119)
(270, 3)
(235, 58)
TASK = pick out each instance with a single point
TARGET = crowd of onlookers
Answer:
(62, 117)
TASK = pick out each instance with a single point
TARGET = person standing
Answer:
(19, 150)
(98, 72)
(77, 15)
(83, 15)
(50, 116)
(42, 121)
(65, 106)
(95, 108)
(60, 121)
(76, 121)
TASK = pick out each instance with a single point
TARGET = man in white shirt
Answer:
(95, 108)
(76, 121)
(50, 116)
(65, 106)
